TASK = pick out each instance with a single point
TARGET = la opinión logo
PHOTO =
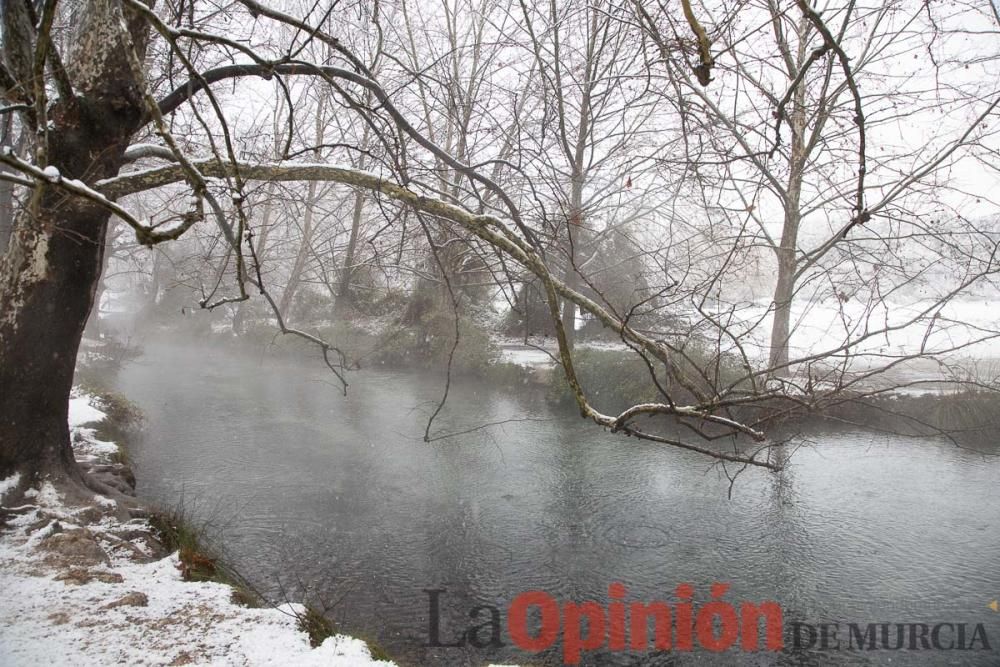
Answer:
(619, 625)
(535, 621)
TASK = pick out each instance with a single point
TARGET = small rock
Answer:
(59, 618)
(80, 576)
(108, 577)
(77, 547)
(88, 515)
(46, 523)
(133, 599)
(75, 575)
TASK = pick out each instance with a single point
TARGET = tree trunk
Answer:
(6, 188)
(781, 327)
(295, 277)
(47, 284)
(307, 225)
(784, 289)
(569, 308)
(50, 271)
(6, 214)
(574, 236)
(343, 302)
(94, 329)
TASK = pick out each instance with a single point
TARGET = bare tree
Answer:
(105, 103)
(807, 119)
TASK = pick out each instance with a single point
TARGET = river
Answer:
(340, 499)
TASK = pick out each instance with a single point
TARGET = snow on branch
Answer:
(50, 175)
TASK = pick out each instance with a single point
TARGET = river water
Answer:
(339, 499)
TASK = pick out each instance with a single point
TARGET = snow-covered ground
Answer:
(958, 341)
(77, 590)
(968, 328)
(542, 351)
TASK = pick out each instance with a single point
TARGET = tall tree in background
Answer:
(590, 128)
(809, 131)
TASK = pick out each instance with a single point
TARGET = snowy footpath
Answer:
(78, 587)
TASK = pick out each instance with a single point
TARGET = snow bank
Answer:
(99, 603)
(82, 412)
(51, 622)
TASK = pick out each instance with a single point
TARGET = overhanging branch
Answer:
(490, 229)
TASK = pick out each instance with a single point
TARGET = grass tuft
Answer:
(198, 562)
(316, 625)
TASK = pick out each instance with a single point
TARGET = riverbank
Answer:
(83, 586)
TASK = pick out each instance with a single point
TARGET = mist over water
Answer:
(338, 498)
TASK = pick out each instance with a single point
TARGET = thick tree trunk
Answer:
(48, 284)
(6, 214)
(50, 272)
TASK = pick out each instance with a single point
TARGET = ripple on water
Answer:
(343, 496)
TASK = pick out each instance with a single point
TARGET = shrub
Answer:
(612, 379)
(310, 306)
(429, 343)
(506, 374)
(531, 316)
(124, 418)
(316, 625)
(615, 379)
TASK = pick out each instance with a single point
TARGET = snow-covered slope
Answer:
(74, 590)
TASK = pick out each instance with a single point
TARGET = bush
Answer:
(123, 421)
(429, 343)
(316, 625)
(612, 380)
(101, 360)
(616, 379)
(969, 417)
(531, 316)
(124, 418)
(506, 374)
(374, 303)
(311, 306)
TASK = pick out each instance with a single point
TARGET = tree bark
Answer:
(94, 328)
(575, 234)
(781, 327)
(784, 289)
(6, 188)
(344, 300)
(295, 277)
(48, 281)
(49, 274)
